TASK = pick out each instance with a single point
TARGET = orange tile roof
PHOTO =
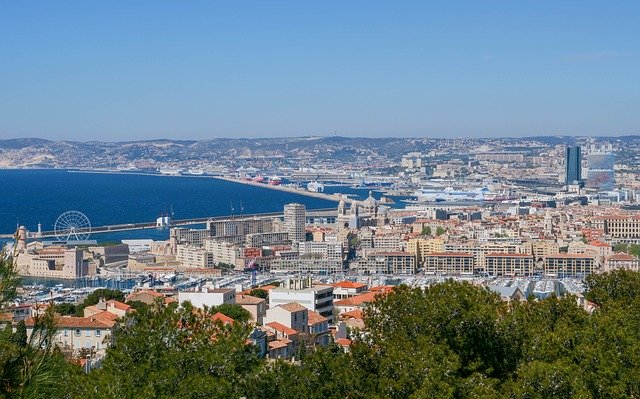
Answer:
(76, 322)
(277, 344)
(502, 254)
(349, 284)
(353, 314)
(223, 318)
(343, 342)
(449, 254)
(315, 318)
(281, 328)
(622, 256)
(248, 300)
(292, 307)
(358, 299)
(569, 256)
(118, 305)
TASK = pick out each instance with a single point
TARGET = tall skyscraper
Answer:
(572, 166)
(294, 221)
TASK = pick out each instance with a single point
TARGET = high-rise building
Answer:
(600, 174)
(572, 165)
(294, 221)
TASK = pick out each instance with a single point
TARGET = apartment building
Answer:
(450, 263)
(193, 256)
(565, 265)
(386, 263)
(504, 264)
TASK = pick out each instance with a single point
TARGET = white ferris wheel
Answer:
(72, 226)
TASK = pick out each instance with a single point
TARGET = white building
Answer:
(294, 221)
(318, 298)
(208, 297)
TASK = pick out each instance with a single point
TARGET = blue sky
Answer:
(86, 70)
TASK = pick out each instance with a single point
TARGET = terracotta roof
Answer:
(621, 256)
(358, 299)
(599, 244)
(277, 344)
(343, 342)
(569, 256)
(118, 305)
(315, 318)
(349, 284)
(502, 254)
(292, 307)
(77, 322)
(105, 316)
(248, 300)
(353, 314)
(223, 318)
(281, 328)
(449, 254)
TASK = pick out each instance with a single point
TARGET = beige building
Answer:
(53, 262)
(622, 261)
(449, 263)
(192, 256)
(623, 227)
(386, 263)
(77, 333)
(295, 221)
(224, 252)
(564, 265)
(421, 246)
(257, 307)
(516, 265)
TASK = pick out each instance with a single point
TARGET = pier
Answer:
(178, 223)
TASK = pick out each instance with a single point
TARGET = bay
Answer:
(32, 196)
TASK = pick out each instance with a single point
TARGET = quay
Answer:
(177, 223)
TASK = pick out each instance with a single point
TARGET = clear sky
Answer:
(121, 70)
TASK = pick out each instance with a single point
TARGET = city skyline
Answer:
(197, 71)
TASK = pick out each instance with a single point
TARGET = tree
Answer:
(65, 308)
(259, 293)
(440, 231)
(170, 351)
(20, 336)
(236, 312)
(426, 230)
(618, 286)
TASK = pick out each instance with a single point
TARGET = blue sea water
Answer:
(30, 197)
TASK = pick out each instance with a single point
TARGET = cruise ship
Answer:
(275, 181)
(449, 194)
(315, 187)
(196, 172)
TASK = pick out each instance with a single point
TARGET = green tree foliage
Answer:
(172, 352)
(440, 230)
(65, 308)
(236, 312)
(631, 249)
(619, 287)
(426, 230)
(259, 293)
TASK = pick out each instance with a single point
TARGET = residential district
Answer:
(534, 228)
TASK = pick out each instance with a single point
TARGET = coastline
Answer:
(292, 190)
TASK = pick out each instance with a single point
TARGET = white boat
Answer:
(315, 187)
(196, 172)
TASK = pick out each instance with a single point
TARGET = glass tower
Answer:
(573, 168)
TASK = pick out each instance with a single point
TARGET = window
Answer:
(98, 333)
(66, 332)
(88, 333)
(77, 333)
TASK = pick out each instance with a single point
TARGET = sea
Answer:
(32, 196)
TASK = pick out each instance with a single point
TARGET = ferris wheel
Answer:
(72, 226)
